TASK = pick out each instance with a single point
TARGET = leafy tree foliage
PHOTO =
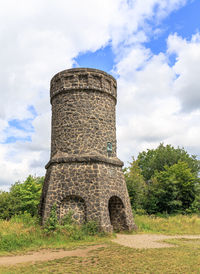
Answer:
(136, 185)
(5, 208)
(23, 197)
(171, 181)
(154, 160)
(171, 190)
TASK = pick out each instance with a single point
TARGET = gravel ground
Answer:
(149, 240)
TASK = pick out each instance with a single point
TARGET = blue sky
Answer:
(102, 59)
(152, 47)
(20, 129)
(184, 21)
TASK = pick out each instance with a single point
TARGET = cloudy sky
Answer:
(152, 47)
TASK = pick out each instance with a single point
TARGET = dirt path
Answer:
(47, 255)
(149, 240)
(134, 241)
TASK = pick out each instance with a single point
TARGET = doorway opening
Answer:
(117, 214)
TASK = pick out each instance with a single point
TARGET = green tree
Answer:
(171, 190)
(5, 205)
(136, 185)
(171, 178)
(195, 206)
(26, 195)
(22, 197)
(154, 160)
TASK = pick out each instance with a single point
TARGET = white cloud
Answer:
(40, 38)
(160, 103)
(187, 68)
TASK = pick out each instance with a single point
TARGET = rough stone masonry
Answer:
(84, 176)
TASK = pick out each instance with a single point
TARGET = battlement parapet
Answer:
(83, 79)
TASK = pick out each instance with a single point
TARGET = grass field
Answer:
(171, 225)
(20, 235)
(183, 258)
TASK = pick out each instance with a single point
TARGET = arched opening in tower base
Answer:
(74, 207)
(117, 214)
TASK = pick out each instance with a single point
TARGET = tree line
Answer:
(22, 197)
(164, 180)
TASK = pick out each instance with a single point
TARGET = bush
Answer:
(25, 218)
(90, 228)
(13, 242)
(52, 222)
(139, 211)
(69, 227)
(67, 219)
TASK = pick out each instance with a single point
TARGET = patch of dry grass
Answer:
(172, 225)
(184, 258)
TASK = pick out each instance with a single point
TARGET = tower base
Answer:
(88, 191)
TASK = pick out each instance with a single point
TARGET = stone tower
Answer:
(84, 175)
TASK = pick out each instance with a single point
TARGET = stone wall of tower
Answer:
(82, 176)
(83, 113)
(95, 184)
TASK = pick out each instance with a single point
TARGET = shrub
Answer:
(52, 222)
(67, 219)
(25, 218)
(90, 228)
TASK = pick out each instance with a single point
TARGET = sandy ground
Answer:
(46, 255)
(134, 241)
(149, 240)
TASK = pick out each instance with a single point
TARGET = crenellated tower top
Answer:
(83, 79)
